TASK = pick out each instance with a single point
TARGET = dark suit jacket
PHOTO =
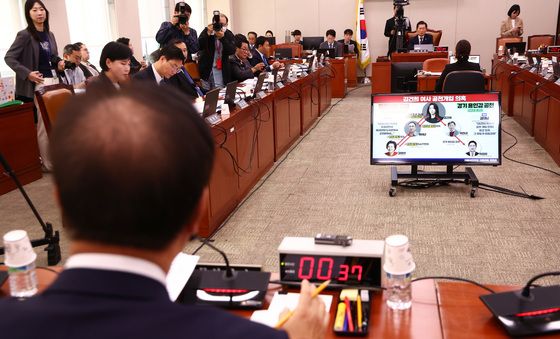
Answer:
(207, 44)
(180, 81)
(256, 59)
(337, 47)
(86, 71)
(23, 58)
(427, 40)
(458, 66)
(390, 25)
(147, 74)
(352, 42)
(240, 69)
(89, 303)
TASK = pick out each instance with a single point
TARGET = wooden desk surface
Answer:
(417, 57)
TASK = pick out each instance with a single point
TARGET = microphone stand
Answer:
(51, 238)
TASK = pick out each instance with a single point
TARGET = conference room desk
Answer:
(18, 145)
(250, 140)
(427, 83)
(351, 70)
(417, 57)
(339, 70)
(532, 101)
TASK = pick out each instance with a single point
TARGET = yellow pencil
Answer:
(359, 313)
(313, 295)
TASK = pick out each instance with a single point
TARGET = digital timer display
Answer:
(347, 270)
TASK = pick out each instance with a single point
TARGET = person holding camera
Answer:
(73, 74)
(179, 28)
(395, 24)
(216, 43)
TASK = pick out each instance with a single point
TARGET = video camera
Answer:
(401, 2)
(216, 24)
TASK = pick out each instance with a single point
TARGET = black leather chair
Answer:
(464, 82)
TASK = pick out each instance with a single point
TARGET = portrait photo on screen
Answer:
(436, 129)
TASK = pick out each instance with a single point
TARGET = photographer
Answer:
(179, 28)
(73, 74)
(217, 43)
(392, 27)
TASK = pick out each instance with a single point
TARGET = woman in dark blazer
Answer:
(34, 54)
(462, 52)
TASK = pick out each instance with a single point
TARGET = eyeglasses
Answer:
(174, 67)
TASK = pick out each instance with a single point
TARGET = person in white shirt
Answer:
(73, 74)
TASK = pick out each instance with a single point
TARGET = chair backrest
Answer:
(435, 64)
(436, 35)
(51, 99)
(503, 41)
(534, 41)
(297, 49)
(192, 68)
(464, 82)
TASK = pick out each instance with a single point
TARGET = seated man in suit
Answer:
(183, 80)
(87, 67)
(347, 41)
(462, 52)
(252, 39)
(73, 74)
(259, 55)
(240, 68)
(168, 64)
(148, 159)
(422, 38)
(332, 43)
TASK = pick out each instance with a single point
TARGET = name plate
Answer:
(304, 74)
(279, 85)
(241, 104)
(261, 95)
(213, 119)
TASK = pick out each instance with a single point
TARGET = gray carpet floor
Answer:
(326, 184)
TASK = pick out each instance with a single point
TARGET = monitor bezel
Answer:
(436, 162)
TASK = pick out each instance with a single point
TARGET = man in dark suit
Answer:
(392, 25)
(148, 159)
(240, 68)
(331, 43)
(462, 52)
(183, 80)
(472, 149)
(422, 38)
(349, 45)
(168, 64)
(259, 56)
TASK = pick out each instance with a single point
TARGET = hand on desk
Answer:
(310, 320)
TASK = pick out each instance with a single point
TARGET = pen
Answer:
(359, 313)
(313, 295)
(349, 315)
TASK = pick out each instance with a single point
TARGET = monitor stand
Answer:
(449, 176)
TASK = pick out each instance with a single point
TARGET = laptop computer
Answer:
(516, 47)
(259, 84)
(424, 47)
(283, 53)
(231, 90)
(210, 104)
(286, 72)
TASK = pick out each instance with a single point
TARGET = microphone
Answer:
(243, 287)
(51, 238)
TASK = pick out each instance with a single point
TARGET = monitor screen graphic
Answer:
(438, 129)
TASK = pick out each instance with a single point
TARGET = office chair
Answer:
(464, 82)
(436, 35)
(435, 64)
(534, 41)
(503, 41)
(51, 99)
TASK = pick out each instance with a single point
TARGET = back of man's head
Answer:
(130, 166)
(172, 52)
(260, 41)
(70, 48)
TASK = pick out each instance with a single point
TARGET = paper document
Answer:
(179, 273)
(279, 304)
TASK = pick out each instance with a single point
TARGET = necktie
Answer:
(191, 81)
(264, 60)
(330, 45)
(420, 40)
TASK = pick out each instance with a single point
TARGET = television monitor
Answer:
(472, 58)
(403, 76)
(312, 42)
(327, 52)
(516, 47)
(260, 82)
(283, 53)
(435, 129)
(556, 69)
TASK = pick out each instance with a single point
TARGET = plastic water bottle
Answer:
(399, 291)
(22, 281)
(20, 260)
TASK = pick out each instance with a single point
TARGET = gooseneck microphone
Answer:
(229, 273)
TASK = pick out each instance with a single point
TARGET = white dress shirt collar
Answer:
(116, 262)
(159, 78)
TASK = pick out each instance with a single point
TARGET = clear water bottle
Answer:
(23, 281)
(399, 291)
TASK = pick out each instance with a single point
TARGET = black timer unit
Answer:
(356, 265)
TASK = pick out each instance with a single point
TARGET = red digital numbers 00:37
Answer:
(325, 269)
